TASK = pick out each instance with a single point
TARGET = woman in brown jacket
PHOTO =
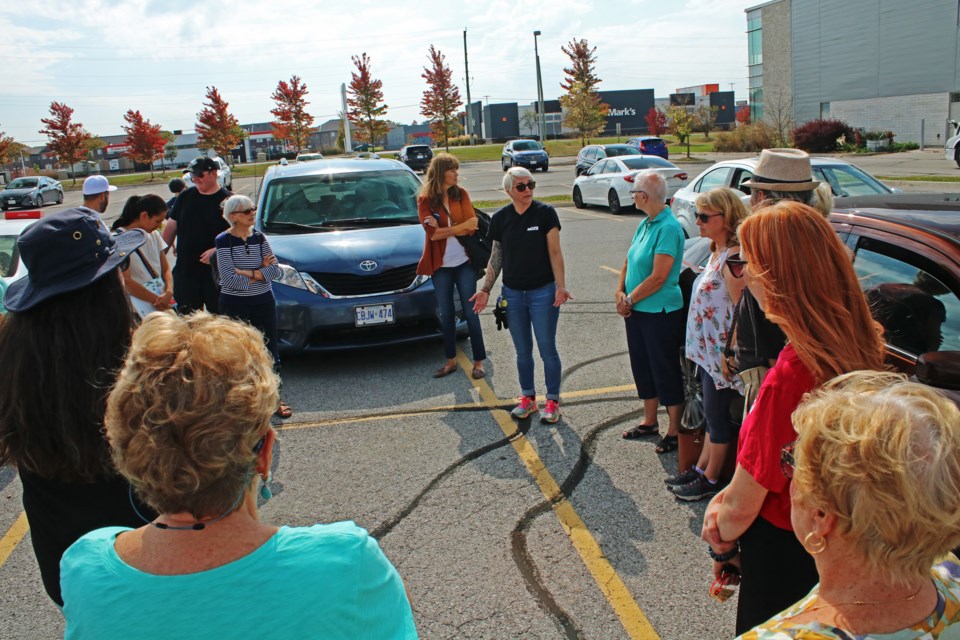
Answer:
(446, 214)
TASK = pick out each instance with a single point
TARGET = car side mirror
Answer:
(939, 369)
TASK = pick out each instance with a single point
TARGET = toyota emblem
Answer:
(368, 265)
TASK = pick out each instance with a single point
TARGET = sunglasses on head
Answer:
(523, 186)
(736, 265)
(787, 462)
(705, 217)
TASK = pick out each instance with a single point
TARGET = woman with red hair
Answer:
(802, 277)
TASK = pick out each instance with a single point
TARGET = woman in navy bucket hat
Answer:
(66, 333)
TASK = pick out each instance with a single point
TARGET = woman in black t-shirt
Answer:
(526, 245)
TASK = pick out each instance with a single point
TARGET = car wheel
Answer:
(613, 200)
(60, 197)
(544, 168)
(578, 199)
(504, 165)
(956, 155)
(39, 201)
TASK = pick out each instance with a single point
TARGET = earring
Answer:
(265, 493)
(814, 548)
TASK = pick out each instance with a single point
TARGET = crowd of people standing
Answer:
(142, 477)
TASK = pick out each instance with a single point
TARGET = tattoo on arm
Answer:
(493, 268)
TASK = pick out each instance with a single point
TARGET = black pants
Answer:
(776, 572)
(193, 289)
(260, 316)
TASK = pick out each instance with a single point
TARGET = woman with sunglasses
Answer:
(716, 292)
(526, 244)
(875, 496)
(247, 267)
(815, 298)
(188, 424)
(446, 213)
(649, 300)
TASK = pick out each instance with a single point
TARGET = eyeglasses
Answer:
(787, 462)
(633, 191)
(705, 217)
(523, 186)
(736, 265)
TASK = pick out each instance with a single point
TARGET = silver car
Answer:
(844, 179)
(608, 182)
(31, 191)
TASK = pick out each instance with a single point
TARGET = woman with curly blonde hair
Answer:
(876, 501)
(188, 424)
(815, 298)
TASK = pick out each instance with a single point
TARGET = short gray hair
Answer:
(512, 174)
(654, 184)
(234, 204)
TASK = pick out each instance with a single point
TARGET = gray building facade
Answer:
(876, 64)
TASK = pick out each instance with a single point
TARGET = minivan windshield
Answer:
(340, 200)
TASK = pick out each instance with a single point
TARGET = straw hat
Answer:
(783, 170)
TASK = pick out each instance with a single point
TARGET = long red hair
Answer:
(811, 290)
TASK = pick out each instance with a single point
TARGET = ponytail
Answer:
(153, 204)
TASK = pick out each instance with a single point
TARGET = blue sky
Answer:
(103, 57)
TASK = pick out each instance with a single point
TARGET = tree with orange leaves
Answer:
(441, 100)
(144, 141)
(365, 104)
(292, 120)
(66, 138)
(217, 128)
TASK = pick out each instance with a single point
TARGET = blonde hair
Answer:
(811, 289)
(883, 455)
(193, 399)
(726, 201)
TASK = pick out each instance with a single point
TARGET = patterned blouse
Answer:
(943, 623)
(709, 319)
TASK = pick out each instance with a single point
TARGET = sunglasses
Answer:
(523, 186)
(705, 217)
(245, 211)
(736, 265)
(787, 462)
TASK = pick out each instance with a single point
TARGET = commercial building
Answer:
(885, 65)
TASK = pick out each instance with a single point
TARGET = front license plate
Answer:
(11, 201)
(373, 314)
(533, 162)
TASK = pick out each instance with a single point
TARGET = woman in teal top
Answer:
(649, 299)
(189, 426)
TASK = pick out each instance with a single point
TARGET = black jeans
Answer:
(193, 289)
(260, 316)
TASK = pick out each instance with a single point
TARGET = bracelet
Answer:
(486, 291)
(723, 557)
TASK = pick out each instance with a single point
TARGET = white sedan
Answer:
(224, 175)
(608, 182)
(11, 226)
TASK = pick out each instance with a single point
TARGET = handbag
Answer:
(693, 419)
(478, 246)
(154, 285)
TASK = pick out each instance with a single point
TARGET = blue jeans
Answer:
(464, 277)
(534, 309)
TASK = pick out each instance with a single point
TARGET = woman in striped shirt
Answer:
(247, 267)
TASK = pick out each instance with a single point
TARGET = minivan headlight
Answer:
(299, 280)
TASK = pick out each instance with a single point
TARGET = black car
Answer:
(416, 156)
(906, 252)
(593, 153)
(524, 153)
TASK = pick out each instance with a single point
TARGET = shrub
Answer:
(820, 136)
(746, 137)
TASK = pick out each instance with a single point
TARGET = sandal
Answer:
(283, 411)
(666, 444)
(641, 431)
(478, 373)
(444, 371)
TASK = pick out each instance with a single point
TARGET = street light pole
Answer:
(541, 121)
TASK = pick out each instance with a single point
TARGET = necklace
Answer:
(858, 603)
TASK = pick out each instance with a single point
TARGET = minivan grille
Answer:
(348, 284)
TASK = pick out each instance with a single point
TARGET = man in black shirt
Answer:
(195, 221)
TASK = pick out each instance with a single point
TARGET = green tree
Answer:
(65, 137)
(217, 128)
(292, 123)
(365, 106)
(168, 138)
(681, 124)
(583, 110)
(441, 100)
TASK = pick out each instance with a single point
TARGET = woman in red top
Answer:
(802, 276)
(446, 212)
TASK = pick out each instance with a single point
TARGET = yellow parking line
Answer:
(12, 537)
(610, 269)
(611, 585)
(609, 217)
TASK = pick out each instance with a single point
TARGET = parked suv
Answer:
(416, 156)
(524, 153)
(594, 153)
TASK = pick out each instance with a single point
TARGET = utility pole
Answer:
(541, 121)
(466, 69)
(347, 144)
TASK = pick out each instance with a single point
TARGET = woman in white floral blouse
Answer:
(715, 294)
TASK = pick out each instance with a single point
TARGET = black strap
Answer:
(153, 274)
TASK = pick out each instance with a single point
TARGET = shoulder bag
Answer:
(478, 246)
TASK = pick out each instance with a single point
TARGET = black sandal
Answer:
(666, 444)
(641, 431)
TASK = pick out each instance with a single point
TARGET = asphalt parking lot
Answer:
(500, 529)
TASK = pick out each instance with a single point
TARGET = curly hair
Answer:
(193, 399)
(811, 289)
(432, 188)
(883, 455)
(726, 201)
